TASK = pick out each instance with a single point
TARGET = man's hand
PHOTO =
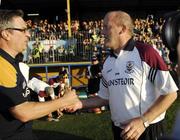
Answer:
(70, 96)
(73, 100)
(133, 129)
(74, 107)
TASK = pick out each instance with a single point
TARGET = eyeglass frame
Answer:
(25, 30)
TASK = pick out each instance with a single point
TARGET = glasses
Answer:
(25, 30)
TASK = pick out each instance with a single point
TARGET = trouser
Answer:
(153, 132)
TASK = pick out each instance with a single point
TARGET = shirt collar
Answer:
(7, 56)
(128, 47)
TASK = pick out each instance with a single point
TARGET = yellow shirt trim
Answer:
(8, 74)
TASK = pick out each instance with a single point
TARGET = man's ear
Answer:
(5, 35)
(123, 28)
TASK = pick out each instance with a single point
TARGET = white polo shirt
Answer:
(133, 80)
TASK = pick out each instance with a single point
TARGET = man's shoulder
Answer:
(144, 48)
(150, 56)
(8, 73)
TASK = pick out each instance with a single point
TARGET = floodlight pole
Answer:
(69, 18)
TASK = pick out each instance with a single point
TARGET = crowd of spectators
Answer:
(50, 42)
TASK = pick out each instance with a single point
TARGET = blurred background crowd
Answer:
(50, 42)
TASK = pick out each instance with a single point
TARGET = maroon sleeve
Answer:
(149, 55)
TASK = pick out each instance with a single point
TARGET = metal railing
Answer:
(57, 47)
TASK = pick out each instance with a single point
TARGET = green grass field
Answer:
(86, 126)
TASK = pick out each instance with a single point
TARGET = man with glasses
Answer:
(16, 112)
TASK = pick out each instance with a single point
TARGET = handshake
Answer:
(71, 101)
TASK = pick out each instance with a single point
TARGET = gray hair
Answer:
(6, 17)
(49, 91)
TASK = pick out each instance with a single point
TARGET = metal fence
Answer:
(57, 47)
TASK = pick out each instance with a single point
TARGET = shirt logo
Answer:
(129, 67)
(26, 90)
(121, 81)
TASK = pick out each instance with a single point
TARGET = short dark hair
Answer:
(6, 17)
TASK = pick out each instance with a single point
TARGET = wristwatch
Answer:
(145, 121)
